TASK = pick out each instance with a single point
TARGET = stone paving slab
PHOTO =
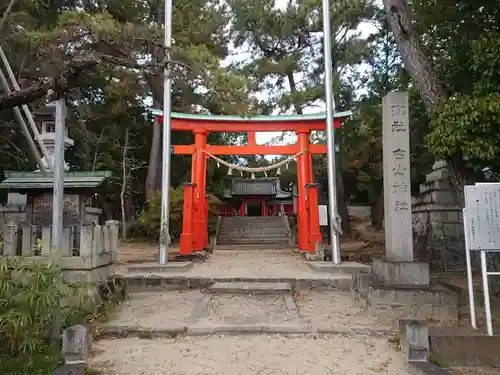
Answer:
(249, 287)
(342, 268)
(247, 310)
(160, 268)
(197, 329)
(144, 282)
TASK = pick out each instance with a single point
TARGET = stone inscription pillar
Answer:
(398, 268)
(397, 180)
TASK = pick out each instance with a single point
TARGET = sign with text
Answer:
(482, 204)
(323, 215)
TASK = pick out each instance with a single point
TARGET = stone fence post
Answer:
(77, 341)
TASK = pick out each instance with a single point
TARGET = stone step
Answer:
(281, 228)
(248, 287)
(254, 235)
(256, 230)
(253, 242)
(253, 228)
(250, 247)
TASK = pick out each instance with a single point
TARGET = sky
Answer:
(242, 55)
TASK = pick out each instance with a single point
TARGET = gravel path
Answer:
(249, 355)
(158, 310)
(249, 263)
(337, 309)
(328, 309)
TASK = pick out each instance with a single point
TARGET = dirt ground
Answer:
(249, 355)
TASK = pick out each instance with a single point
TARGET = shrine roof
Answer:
(259, 186)
(281, 118)
(20, 181)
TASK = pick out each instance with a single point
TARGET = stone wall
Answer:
(437, 222)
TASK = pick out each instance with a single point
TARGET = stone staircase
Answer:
(264, 231)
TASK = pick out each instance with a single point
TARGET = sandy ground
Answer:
(164, 309)
(246, 309)
(157, 309)
(250, 263)
(337, 310)
(249, 355)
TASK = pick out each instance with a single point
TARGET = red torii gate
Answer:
(194, 235)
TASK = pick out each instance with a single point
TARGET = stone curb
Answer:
(152, 282)
(206, 330)
(425, 368)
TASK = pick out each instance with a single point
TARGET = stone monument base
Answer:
(392, 273)
(432, 303)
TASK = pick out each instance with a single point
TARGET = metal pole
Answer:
(25, 108)
(330, 133)
(166, 144)
(58, 162)
(470, 284)
(20, 120)
(486, 291)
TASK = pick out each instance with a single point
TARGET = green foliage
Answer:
(40, 363)
(469, 125)
(29, 295)
(150, 218)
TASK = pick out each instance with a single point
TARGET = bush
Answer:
(150, 218)
(29, 296)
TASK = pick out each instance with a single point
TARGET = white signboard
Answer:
(323, 215)
(482, 203)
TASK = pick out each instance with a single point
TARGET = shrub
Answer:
(150, 218)
(29, 297)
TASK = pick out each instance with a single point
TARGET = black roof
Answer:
(257, 186)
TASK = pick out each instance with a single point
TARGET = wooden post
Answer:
(313, 206)
(205, 225)
(200, 138)
(186, 245)
(303, 179)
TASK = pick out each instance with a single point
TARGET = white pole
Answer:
(330, 134)
(58, 165)
(486, 291)
(166, 144)
(470, 284)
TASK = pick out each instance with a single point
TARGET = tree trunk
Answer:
(154, 157)
(293, 90)
(419, 68)
(124, 185)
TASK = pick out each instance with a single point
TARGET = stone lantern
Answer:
(46, 123)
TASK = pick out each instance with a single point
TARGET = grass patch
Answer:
(42, 363)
